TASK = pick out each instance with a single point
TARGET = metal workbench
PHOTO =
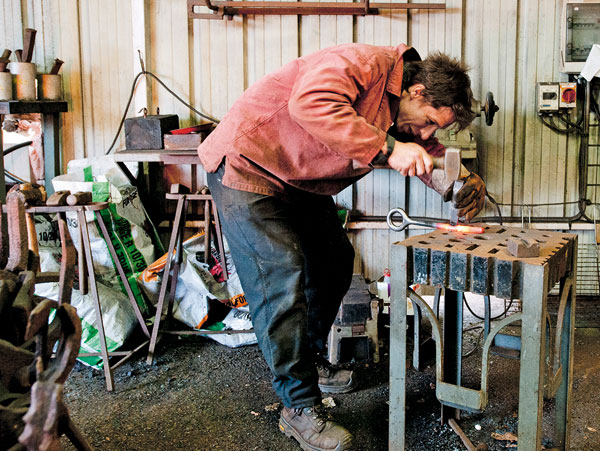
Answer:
(481, 264)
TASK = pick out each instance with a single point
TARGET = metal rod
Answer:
(457, 429)
(583, 151)
(207, 332)
(229, 8)
(333, 5)
(452, 339)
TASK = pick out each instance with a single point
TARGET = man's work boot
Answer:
(333, 380)
(313, 431)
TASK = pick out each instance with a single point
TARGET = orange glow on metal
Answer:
(459, 228)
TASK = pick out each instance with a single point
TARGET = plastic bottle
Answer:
(387, 278)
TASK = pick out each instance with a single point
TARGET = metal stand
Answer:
(175, 259)
(481, 264)
(85, 255)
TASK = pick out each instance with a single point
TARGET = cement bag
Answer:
(131, 232)
(197, 283)
(117, 314)
(236, 319)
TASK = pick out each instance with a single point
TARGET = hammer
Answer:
(451, 163)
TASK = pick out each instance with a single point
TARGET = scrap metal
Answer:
(58, 198)
(33, 415)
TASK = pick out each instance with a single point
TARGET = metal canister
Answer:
(50, 87)
(6, 86)
(24, 80)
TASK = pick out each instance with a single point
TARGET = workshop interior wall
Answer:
(509, 44)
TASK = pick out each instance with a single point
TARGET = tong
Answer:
(406, 221)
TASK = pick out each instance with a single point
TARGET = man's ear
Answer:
(416, 90)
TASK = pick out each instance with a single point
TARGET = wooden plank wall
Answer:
(510, 45)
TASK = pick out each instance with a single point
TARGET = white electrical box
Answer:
(568, 95)
(547, 97)
(580, 29)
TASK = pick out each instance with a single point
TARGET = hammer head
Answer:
(452, 164)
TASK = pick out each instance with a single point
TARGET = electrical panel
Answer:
(548, 97)
(580, 29)
(568, 95)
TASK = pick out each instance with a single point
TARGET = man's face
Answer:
(417, 117)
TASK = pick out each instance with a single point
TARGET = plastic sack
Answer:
(236, 319)
(117, 314)
(130, 231)
(198, 283)
(126, 220)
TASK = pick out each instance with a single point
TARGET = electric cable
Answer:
(547, 204)
(477, 343)
(11, 149)
(493, 201)
(557, 129)
(135, 80)
(15, 178)
(491, 318)
(17, 147)
(577, 126)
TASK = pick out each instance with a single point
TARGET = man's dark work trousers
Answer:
(295, 265)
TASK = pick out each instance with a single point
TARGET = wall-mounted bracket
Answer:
(229, 8)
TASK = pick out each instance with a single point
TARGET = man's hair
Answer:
(446, 85)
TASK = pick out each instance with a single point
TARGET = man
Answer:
(293, 139)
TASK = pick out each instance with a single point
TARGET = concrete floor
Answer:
(201, 395)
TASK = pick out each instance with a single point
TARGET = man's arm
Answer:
(471, 197)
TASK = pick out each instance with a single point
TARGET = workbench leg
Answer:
(563, 395)
(165, 280)
(94, 289)
(177, 261)
(52, 166)
(219, 235)
(452, 345)
(399, 296)
(533, 346)
(417, 317)
(121, 272)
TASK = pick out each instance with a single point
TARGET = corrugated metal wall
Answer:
(509, 44)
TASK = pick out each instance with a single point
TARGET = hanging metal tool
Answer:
(220, 9)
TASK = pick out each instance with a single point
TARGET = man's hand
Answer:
(470, 198)
(410, 159)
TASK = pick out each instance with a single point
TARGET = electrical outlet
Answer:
(547, 97)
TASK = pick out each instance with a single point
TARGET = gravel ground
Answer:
(200, 395)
